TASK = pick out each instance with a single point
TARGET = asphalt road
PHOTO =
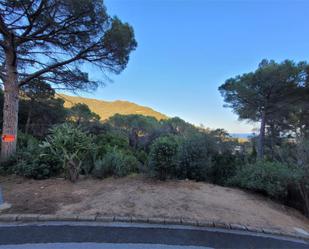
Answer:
(97, 246)
(126, 235)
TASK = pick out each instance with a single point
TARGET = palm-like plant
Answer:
(71, 145)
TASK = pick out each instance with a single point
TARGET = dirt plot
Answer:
(142, 197)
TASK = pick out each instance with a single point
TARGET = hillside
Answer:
(107, 109)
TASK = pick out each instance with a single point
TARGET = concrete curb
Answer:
(5, 218)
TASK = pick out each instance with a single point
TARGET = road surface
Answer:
(129, 236)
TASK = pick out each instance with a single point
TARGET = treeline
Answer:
(276, 95)
(54, 141)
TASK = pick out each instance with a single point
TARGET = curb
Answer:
(151, 220)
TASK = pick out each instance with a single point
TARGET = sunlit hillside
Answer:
(107, 109)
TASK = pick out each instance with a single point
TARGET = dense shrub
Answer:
(72, 146)
(300, 163)
(141, 156)
(115, 162)
(162, 161)
(271, 178)
(33, 168)
(24, 140)
(111, 139)
(30, 160)
(301, 185)
(224, 167)
(195, 158)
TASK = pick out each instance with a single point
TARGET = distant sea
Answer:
(241, 135)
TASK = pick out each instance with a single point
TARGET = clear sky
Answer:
(187, 49)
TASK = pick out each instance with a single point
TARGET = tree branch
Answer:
(3, 28)
(51, 67)
(32, 17)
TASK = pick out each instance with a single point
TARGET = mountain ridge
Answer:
(107, 109)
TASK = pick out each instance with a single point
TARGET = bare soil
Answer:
(142, 197)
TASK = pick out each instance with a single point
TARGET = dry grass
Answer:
(139, 196)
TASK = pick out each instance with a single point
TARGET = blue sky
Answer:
(187, 49)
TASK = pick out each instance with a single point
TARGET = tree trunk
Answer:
(10, 108)
(272, 140)
(304, 194)
(133, 138)
(260, 153)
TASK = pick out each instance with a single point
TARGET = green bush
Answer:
(111, 139)
(271, 178)
(71, 146)
(195, 158)
(34, 169)
(141, 156)
(32, 161)
(297, 155)
(162, 160)
(301, 184)
(224, 167)
(115, 163)
(24, 140)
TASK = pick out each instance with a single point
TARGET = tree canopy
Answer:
(81, 113)
(269, 91)
(50, 40)
(48, 36)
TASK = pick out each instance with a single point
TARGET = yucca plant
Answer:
(71, 145)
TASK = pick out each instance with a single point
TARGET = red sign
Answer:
(8, 138)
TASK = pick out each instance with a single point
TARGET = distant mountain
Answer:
(107, 109)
